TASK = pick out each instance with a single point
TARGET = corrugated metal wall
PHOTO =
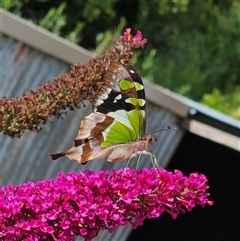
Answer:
(27, 158)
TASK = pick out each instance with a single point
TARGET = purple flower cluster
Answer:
(87, 202)
(136, 41)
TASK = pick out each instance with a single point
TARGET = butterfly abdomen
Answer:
(57, 155)
(130, 149)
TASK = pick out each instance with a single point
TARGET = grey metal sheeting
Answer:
(27, 158)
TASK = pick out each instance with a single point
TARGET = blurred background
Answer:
(193, 46)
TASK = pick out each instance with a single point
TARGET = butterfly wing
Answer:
(122, 98)
(118, 116)
(87, 144)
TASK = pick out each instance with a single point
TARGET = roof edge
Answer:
(212, 133)
(41, 39)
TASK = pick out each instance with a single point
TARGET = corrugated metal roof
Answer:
(27, 158)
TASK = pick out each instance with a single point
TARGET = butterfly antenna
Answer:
(165, 129)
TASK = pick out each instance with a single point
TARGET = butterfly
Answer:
(116, 126)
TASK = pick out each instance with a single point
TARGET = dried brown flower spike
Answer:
(66, 91)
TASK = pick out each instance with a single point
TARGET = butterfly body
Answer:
(116, 127)
(130, 149)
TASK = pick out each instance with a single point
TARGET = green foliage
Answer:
(75, 35)
(194, 53)
(105, 39)
(229, 103)
(193, 46)
(93, 10)
(12, 6)
(172, 6)
(54, 20)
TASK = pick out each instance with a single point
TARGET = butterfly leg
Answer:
(154, 160)
(134, 155)
(152, 157)
(139, 153)
(138, 161)
(128, 162)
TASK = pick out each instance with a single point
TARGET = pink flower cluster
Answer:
(87, 202)
(137, 41)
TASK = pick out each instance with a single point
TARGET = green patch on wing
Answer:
(125, 84)
(132, 101)
(126, 127)
(141, 102)
(138, 86)
(135, 101)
